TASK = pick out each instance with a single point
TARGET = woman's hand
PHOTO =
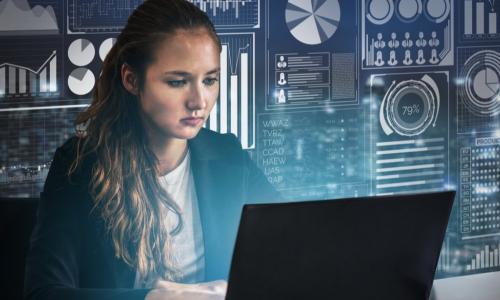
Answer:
(168, 290)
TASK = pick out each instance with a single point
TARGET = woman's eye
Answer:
(210, 81)
(176, 83)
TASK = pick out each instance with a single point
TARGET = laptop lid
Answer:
(383, 247)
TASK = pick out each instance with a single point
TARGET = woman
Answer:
(144, 202)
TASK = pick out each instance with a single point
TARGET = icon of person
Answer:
(434, 41)
(421, 42)
(393, 43)
(282, 80)
(379, 43)
(282, 63)
(407, 43)
(281, 96)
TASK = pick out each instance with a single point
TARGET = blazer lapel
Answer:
(219, 192)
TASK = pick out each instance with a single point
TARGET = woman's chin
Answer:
(188, 133)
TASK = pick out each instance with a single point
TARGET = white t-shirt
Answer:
(187, 248)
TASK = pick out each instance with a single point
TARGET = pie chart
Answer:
(106, 45)
(486, 83)
(81, 52)
(480, 90)
(81, 81)
(312, 22)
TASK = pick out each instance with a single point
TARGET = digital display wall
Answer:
(332, 98)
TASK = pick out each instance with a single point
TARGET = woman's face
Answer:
(181, 85)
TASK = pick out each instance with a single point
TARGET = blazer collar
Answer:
(203, 147)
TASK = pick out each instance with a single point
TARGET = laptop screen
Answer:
(383, 247)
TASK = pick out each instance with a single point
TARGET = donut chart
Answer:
(410, 107)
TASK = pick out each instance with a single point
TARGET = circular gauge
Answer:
(408, 10)
(312, 23)
(379, 12)
(410, 107)
(437, 10)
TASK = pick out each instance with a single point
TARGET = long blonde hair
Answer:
(124, 183)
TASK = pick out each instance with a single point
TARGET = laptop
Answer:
(383, 247)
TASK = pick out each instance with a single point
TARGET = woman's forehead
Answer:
(193, 49)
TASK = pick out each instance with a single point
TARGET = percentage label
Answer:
(411, 109)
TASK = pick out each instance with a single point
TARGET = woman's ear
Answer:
(129, 79)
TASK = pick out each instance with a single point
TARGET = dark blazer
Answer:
(71, 256)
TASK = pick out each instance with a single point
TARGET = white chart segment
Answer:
(244, 100)
(22, 81)
(12, 79)
(307, 32)
(44, 87)
(2, 81)
(52, 76)
(492, 22)
(234, 105)
(480, 17)
(213, 118)
(223, 89)
(468, 17)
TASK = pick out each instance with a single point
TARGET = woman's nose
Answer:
(196, 99)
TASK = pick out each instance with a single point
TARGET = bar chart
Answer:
(486, 258)
(93, 16)
(424, 170)
(480, 19)
(16, 80)
(231, 13)
(234, 111)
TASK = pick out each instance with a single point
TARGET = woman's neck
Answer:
(170, 153)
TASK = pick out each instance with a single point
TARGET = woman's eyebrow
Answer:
(216, 70)
(179, 73)
(184, 73)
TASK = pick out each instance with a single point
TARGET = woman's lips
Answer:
(192, 121)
